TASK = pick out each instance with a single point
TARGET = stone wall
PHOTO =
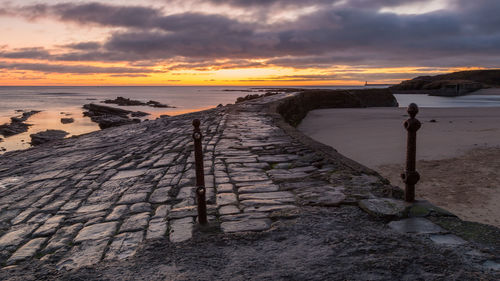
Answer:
(295, 108)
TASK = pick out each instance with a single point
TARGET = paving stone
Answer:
(129, 174)
(220, 180)
(263, 202)
(246, 225)
(384, 207)
(228, 210)
(249, 177)
(50, 226)
(225, 188)
(241, 160)
(39, 218)
(188, 211)
(226, 199)
(96, 231)
(84, 217)
(46, 176)
(71, 205)
(133, 198)
(268, 208)
(87, 253)
(117, 213)
(447, 239)
(157, 228)
(415, 225)
(94, 208)
(258, 188)
(16, 235)
(124, 245)
(62, 237)
(160, 195)
(140, 207)
(253, 183)
(162, 211)
(24, 215)
(27, 250)
(186, 192)
(135, 222)
(181, 229)
(266, 195)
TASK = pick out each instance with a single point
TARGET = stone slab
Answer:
(447, 239)
(124, 245)
(384, 207)
(416, 226)
(96, 231)
(27, 250)
(181, 229)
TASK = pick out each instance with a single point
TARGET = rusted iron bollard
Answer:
(200, 177)
(410, 176)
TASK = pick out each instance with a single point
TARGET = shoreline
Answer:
(447, 151)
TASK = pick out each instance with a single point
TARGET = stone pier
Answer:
(100, 197)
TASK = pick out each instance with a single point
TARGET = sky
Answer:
(243, 42)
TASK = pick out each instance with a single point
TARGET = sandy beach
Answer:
(457, 148)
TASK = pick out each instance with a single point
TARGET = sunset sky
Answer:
(243, 42)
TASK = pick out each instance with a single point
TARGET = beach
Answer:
(457, 152)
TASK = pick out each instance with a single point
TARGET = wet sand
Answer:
(459, 154)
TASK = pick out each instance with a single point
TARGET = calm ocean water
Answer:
(57, 102)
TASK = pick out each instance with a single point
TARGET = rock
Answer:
(67, 120)
(181, 230)
(96, 231)
(128, 102)
(415, 225)
(17, 124)
(47, 136)
(447, 239)
(124, 102)
(27, 250)
(108, 117)
(153, 103)
(384, 207)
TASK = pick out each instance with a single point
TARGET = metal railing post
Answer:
(200, 177)
(410, 176)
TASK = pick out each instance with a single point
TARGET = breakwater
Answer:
(101, 196)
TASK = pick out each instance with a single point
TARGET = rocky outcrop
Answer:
(47, 136)
(108, 117)
(17, 125)
(473, 80)
(129, 102)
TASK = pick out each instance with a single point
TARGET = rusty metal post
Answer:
(200, 177)
(410, 176)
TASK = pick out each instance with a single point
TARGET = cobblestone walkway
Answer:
(100, 196)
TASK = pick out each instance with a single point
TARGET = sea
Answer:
(64, 102)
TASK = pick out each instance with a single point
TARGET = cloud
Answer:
(73, 69)
(26, 53)
(352, 32)
(92, 45)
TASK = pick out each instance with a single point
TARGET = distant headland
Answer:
(451, 84)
